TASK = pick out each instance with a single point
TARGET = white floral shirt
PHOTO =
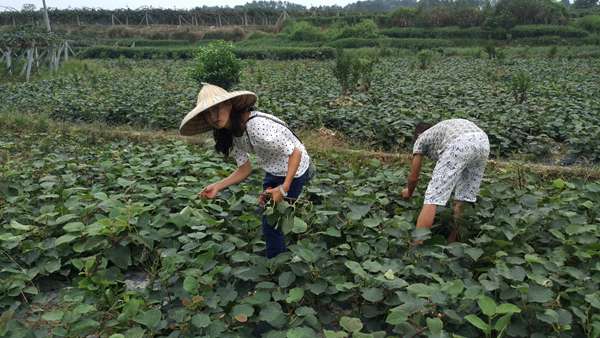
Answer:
(434, 141)
(272, 143)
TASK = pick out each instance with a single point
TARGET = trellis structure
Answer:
(25, 51)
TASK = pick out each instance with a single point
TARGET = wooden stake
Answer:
(66, 48)
(46, 18)
(29, 63)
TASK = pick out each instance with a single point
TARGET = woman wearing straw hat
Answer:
(239, 130)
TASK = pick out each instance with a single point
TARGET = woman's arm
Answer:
(413, 177)
(293, 165)
(240, 174)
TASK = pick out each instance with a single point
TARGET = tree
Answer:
(525, 12)
(585, 3)
(217, 64)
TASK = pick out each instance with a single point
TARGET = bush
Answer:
(335, 31)
(303, 31)
(591, 23)
(217, 64)
(552, 52)
(520, 85)
(424, 58)
(490, 50)
(342, 70)
(366, 29)
(354, 70)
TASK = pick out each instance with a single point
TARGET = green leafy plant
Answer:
(490, 50)
(216, 64)
(520, 86)
(128, 243)
(354, 70)
(424, 58)
(492, 311)
(303, 31)
(552, 52)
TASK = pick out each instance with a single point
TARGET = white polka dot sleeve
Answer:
(271, 142)
(239, 155)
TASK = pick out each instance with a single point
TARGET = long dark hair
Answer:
(224, 137)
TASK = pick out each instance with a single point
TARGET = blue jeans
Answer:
(274, 237)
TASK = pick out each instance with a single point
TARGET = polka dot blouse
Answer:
(272, 143)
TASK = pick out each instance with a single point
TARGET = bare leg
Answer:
(426, 218)
(457, 208)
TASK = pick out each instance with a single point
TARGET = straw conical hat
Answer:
(210, 95)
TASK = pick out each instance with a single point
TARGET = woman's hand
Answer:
(276, 195)
(211, 191)
(263, 198)
(406, 194)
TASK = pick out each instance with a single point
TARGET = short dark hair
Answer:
(420, 128)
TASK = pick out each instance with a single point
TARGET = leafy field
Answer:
(559, 120)
(83, 213)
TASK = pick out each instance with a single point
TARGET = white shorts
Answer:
(459, 168)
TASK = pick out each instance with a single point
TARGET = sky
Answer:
(111, 4)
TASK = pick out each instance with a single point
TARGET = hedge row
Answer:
(525, 31)
(280, 53)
